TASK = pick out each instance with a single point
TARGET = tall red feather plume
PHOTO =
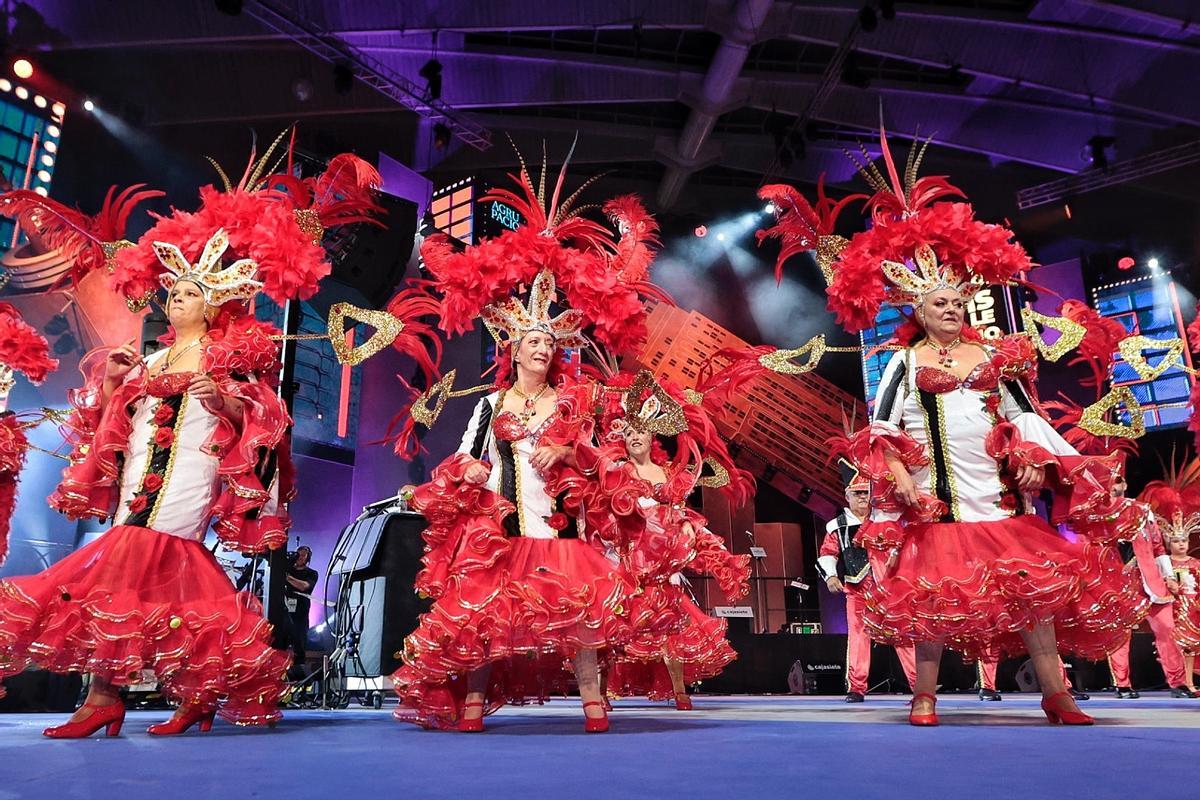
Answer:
(799, 224)
(1178, 492)
(80, 238)
(1065, 417)
(1099, 344)
(639, 235)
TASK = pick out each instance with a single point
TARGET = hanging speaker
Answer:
(371, 258)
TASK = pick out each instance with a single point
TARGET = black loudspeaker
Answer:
(378, 557)
(372, 259)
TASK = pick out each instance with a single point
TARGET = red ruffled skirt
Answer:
(700, 648)
(977, 585)
(138, 599)
(1187, 623)
(522, 617)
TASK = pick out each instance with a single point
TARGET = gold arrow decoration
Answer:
(438, 394)
(1071, 333)
(387, 328)
(1094, 419)
(1133, 348)
(719, 477)
(781, 360)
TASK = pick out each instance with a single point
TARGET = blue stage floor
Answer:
(730, 747)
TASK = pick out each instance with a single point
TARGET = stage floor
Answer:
(729, 747)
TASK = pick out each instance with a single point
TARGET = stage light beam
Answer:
(1152, 263)
(23, 68)
(89, 106)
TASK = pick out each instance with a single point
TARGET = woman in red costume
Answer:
(651, 665)
(164, 445)
(955, 447)
(192, 435)
(1176, 505)
(517, 592)
(522, 604)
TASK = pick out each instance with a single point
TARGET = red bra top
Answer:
(169, 384)
(983, 378)
(508, 427)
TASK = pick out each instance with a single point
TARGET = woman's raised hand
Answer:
(120, 361)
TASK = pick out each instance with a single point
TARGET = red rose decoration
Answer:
(164, 414)
(164, 437)
(992, 403)
(153, 482)
(559, 521)
(138, 503)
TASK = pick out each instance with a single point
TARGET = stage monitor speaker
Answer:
(371, 258)
(379, 596)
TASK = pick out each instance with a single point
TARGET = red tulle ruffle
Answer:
(1187, 623)
(523, 617)
(700, 647)
(977, 585)
(137, 599)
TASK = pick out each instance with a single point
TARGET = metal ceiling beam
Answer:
(1121, 172)
(685, 155)
(370, 71)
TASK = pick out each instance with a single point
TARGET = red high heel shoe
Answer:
(923, 720)
(683, 702)
(1062, 716)
(188, 716)
(595, 724)
(112, 715)
(473, 725)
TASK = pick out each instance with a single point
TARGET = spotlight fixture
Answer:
(868, 20)
(1097, 151)
(701, 231)
(431, 71)
(1125, 263)
(302, 89)
(769, 208)
(88, 105)
(441, 136)
(720, 237)
(23, 68)
(1152, 263)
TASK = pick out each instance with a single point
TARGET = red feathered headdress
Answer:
(599, 275)
(88, 242)
(909, 215)
(1176, 500)
(275, 221)
(662, 408)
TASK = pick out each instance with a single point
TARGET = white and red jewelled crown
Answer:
(218, 285)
